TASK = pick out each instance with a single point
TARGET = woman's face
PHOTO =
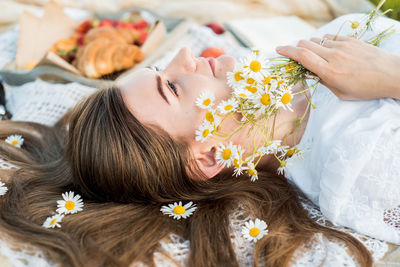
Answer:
(150, 96)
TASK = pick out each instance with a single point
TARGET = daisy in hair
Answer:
(52, 222)
(15, 140)
(178, 211)
(70, 204)
(255, 230)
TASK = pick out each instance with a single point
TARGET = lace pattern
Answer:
(21, 257)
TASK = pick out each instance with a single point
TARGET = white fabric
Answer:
(45, 103)
(350, 164)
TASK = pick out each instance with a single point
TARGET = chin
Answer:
(225, 63)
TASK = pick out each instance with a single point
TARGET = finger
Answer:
(316, 48)
(327, 43)
(307, 58)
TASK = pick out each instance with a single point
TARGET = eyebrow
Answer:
(160, 88)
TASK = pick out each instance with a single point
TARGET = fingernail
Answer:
(279, 48)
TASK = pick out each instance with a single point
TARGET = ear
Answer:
(206, 161)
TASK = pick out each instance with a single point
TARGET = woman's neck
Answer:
(286, 121)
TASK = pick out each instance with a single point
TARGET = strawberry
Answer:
(217, 28)
(212, 52)
(106, 23)
(84, 27)
(117, 23)
(142, 38)
(140, 24)
(81, 39)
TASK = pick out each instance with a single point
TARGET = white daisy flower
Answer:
(266, 80)
(242, 93)
(178, 211)
(205, 100)
(255, 66)
(282, 150)
(212, 117)
(284, 100)
(263, 101)
(255, 230)
(253, 86)
(252, 172)
(53, 221)
(227, 106)
(3, 189)
(271, 147)
(205, 130)
(236, 78)
(226, 154)
(238, 162)
(71, 203)
(282, 168)
(15, 140)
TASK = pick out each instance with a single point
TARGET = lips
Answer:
(211, 61)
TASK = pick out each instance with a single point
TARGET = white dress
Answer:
(350, 165)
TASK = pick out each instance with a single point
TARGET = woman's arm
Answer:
(350, 68)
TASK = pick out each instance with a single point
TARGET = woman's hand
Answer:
(351, 69)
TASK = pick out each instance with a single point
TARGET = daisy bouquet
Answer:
(261, 88)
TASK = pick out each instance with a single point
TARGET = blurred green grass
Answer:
(390, 4)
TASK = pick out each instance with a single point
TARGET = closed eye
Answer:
(173, 87)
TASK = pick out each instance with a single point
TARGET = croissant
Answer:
(107, 50)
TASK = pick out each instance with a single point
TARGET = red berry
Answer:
(217, 28)
(84, 27)
(142, 37)
(140, 24)
(106, 23)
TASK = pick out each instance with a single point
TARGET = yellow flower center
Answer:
(226, 154)
(179, 210)
(267, 80)
(206, 132)
(207, 102)
(14, 142)
(238, 76)
(286, 98)
(210, 117)
(290, 153)
(251, 172)
(254, 232)
(255, 66)
(354, 25)
(236, 163)
(265, 99)
(280, 82)
(251, 81)
(228, 107)
(252, 89)
(69, 205)
(289, 66)
(242, 95)
(53, 221)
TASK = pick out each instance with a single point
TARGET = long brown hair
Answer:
(125, 172)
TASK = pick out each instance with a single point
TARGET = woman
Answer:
(131, 150)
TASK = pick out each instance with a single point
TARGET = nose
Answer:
(184, 60)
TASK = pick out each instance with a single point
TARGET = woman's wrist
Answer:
(392, 79)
